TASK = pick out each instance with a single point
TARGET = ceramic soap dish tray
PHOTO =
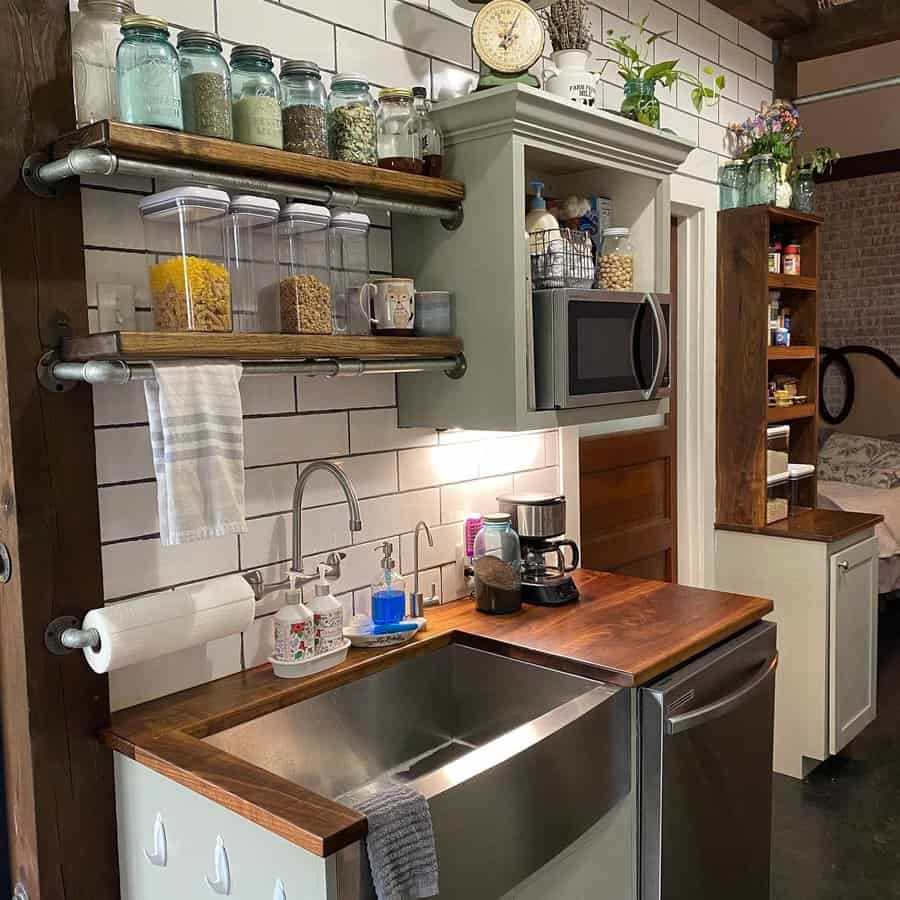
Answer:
(359, 635)
(312, 665)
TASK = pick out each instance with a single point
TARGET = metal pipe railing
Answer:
(115, 371)
(90, 161)
(849, 91)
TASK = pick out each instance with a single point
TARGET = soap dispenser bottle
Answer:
(294, 629)
(388, 590)
(540, 223)
(328, 615)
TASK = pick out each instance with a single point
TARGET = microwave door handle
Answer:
(662, 355)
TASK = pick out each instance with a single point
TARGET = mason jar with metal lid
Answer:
(351, 120)
(304, 101)
(733, 184)
(205, 84)
(762, 181)
(255, 97)
(148, 74)
(399, 134)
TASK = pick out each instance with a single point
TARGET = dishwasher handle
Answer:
(724, 705)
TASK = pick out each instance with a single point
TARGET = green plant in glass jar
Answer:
(819, 162)
(641, 76)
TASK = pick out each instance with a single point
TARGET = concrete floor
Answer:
(836, 835)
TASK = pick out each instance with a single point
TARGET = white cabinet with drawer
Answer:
(826, 607)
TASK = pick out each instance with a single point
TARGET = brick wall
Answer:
(402, 475)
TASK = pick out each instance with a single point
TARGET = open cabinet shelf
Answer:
(798, 352)
(792, 282)
(777, 414)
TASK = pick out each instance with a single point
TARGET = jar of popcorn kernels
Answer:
(615, 269)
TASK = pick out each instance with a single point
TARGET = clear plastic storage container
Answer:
(190, 285)
(304, 291)
(351, 120)
(497, 563)
(304, 102)
(349, 240)
(205, 85)
(778, 497)
(615, 268)
(255, 97)
(778, 448)
(799, 475)
(253, 254)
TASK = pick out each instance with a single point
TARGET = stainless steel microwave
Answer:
(592, 348)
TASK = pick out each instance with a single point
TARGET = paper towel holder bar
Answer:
(65, 634)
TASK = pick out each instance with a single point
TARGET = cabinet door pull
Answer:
(844, 564)
(279, 892)
(221, 884)
(160, 853)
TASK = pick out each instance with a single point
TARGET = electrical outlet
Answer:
(115, 305)
(459, 572)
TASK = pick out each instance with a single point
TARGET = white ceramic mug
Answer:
(389, 304)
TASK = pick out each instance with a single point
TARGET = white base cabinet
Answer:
(826, 607)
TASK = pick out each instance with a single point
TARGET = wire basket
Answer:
(561, 258)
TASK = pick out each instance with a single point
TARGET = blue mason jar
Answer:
(148, 74)
(733, 184)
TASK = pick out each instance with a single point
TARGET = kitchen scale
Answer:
(508, 36)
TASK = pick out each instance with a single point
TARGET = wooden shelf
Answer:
(776, 414)
(798, 352)
(161, 145)
(793, 217)
(145, 345)
(792, 282)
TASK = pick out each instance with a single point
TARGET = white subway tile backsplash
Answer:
(267, 394)
(659, 18)
(540, 481)
(141, 567)
(380, 250)
(269, 489)
(376, 429)
(755, 40)
(729, 112)
(119, 404)
(418, 29)
(712, 137)
(701, 164)
(446, 538)
(284, 31)
(552, 442)
(682, 123)
(451, 10)
(269, 540)
(186, 13)
(128, 511)
(282, 439)
(690, 8)
(109, 267)
(428, 466)
(345, 393)
(123, 454)
(765, 72)
(453, 583)
(731, 79)
(700, 40)
(373, 475)
(385, 64)
(451, 81)
(737, 59)
(753, 94)
(718, 20)
(397, 513)
(473, 497)
(112, 219)
(526, 451)
(359, 569)
(360, 15)
(665, 50)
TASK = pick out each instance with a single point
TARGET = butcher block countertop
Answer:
(623, 630)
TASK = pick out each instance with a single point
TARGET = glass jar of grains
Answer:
(304, 291)
(255, 97)
(95, 38)
(148, 75)
(205, 84)
(351, 120)
(399, 138)
(303, 108)
(615, 270)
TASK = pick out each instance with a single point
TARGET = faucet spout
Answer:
(349, 492)
(419, 527)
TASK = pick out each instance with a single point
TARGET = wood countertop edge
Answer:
(823, 525)
(166, 734)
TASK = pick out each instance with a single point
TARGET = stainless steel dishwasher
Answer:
(706, 774)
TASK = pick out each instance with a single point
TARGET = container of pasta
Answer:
(190, 284)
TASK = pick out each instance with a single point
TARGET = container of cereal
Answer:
(304, 291)
(615, 269)
(190, 285)
(251, 228)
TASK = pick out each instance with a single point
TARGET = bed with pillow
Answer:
(859, 461)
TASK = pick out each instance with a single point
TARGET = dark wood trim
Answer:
(59, 779)
(786, 69)
(849, 26)
(862, 166)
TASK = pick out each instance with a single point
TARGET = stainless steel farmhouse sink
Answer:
(516, 760)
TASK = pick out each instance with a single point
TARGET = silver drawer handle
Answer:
(843, 564)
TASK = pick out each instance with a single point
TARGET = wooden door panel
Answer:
(633, 494)
(653, 567)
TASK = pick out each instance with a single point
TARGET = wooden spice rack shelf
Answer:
(162, 146)
(776, 414)
(796, 352)
(147, 345)
(792, 282)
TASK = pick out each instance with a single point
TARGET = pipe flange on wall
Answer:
(46, 376)
(30, 175)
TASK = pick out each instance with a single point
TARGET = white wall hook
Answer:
(160, 853)
(279, 892)
(221, 884)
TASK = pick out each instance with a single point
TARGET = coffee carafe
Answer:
(539, 520)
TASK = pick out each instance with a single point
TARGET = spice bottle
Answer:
(148, 74)
(399, 140)
(294, 629)
(205, 85)
(304, 293)
(775, 257)
(431, 135)
(303, 108)
(255, 97)
(792, 259)
(95, 38)
(351, 120)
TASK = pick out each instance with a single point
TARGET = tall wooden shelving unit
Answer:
(746, 362)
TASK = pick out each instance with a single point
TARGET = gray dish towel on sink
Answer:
(400, 843)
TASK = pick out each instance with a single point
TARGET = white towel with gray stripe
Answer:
(400, 842)
(197, 435)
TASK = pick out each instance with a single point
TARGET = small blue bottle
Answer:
(388, 591)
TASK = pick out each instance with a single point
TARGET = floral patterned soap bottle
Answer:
(294, 629)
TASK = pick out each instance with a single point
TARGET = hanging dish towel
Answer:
(400, 842)
(197, 434)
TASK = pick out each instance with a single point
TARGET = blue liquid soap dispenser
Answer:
(388, 591)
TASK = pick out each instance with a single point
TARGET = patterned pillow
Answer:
(856, 473)
(857, 449)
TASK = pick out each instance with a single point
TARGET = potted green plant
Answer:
(818, 162)
(641, 76)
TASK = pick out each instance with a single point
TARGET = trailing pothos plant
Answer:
(641, 76)
(819, 161)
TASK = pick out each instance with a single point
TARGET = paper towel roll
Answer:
(132, 631)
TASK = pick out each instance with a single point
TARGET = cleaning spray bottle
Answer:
(388, 590)
(327, 613)
(294, 629)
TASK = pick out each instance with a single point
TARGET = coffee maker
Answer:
(539, 520)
